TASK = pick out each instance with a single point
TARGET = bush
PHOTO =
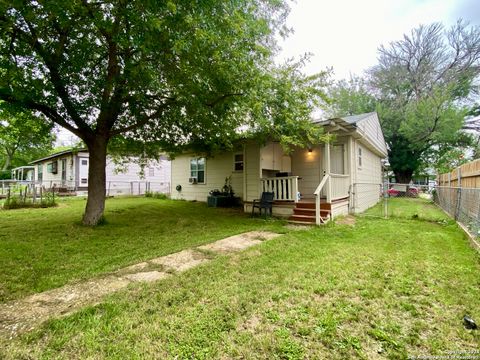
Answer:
(15, 201)
(156, 195)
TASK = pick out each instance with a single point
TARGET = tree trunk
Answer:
(8, 159)
(403, 177)
(6, 164)
(404, 159)
(96, 181)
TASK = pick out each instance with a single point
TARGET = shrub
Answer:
(156, 195)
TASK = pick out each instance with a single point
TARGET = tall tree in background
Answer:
(144, 71)
(23, 137)
(421, 83)
(351, 97)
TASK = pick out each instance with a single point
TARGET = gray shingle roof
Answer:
(353, 119)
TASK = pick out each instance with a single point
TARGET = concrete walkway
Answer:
(25, 314)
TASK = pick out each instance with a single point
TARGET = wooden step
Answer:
(311, 205)
(305, 205)
(303, 218)
(310, 212)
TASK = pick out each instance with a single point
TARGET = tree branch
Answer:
(49, 112)
(52, 64)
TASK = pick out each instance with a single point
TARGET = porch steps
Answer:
(304, 213)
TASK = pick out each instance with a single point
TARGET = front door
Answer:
(83, 172)
(64, 172)
(337, 159)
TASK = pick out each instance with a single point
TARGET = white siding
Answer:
(216, 170)
(368, 178)
(132, 171)
(373, 134)
(308, 166)
(252, 172)
(119, 182)
(56, 179)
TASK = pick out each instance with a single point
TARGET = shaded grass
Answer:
(381, 289)
(46, 248)
(409, 208)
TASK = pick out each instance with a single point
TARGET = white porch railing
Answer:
(340, 184)
(284, 188)
(317, 193)
(336, 187)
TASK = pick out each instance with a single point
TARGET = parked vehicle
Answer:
(403, 190)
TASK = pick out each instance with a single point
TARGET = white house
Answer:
(69, 169)
(332, 179)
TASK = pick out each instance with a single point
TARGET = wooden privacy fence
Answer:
(465, 176)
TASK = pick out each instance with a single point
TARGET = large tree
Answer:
(421, 83)
(350, 97)
(23, 137)
(162, 72)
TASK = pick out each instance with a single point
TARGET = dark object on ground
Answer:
(264, 203)
(469, 323)
(222, 201)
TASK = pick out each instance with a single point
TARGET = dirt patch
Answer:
(25, 314)
(347, 220)
(148, 276)
(239, 242)
(251, 324)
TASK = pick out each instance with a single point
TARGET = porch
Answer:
(314, 186)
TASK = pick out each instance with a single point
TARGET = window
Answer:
(64, 170)
(238, 162)
(52, 167)
(197, 169)
(151, 171)
(40, 172)
(84, 162)
(360, 157)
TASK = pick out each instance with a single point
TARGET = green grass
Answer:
(409, 208)
(381, 289)
(46, 248)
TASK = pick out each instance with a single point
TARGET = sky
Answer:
(345, 34)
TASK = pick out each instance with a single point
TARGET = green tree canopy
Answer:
(23, 137)
(164, 73)
(420, 87)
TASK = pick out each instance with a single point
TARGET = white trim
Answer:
(204, 169)
(235, 162)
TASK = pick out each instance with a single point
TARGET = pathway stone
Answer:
(239, 242)
(25, 314)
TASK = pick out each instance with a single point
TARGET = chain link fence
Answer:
(393, 200)
(462, 204)
(72, 188)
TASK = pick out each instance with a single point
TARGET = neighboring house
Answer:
(23, 173)
(69, 169)
(310, 184)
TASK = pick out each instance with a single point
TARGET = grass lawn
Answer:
(46, 248)
(380, 289)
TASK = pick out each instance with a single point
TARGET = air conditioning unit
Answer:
(192, 180)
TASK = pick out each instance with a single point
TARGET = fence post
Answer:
(457, 207)
(385, 199)
(459, 177)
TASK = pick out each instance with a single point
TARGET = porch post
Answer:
(327, 171)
